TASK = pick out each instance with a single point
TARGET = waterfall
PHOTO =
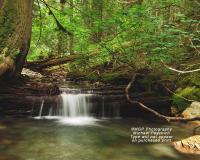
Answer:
(75, 109)
(72, 109)
(78, 108)
(41, 108)
(75, 105)
(103, 108)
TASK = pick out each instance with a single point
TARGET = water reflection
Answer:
(29, 139)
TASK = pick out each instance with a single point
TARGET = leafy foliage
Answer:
(153, 30)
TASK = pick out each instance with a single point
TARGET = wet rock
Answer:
(192, 111)
(31, 73)
(189, 145)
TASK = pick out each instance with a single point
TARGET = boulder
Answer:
(189, 145)
(192, 111)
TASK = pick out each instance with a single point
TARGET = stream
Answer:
(82, 126)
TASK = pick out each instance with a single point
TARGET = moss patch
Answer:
(192, 93)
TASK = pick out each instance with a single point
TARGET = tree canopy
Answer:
(132, 35)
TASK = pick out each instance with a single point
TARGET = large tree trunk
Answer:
(15, 34)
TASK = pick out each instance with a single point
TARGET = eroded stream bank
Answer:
(105, 101)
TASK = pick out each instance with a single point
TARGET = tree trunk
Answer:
(15, 34)
(62, 38)
(86, 7)
(97, 7)
(71, 38)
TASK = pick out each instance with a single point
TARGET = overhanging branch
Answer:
(157, 114)
(179, 71)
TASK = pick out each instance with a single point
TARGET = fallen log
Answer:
(42, 64)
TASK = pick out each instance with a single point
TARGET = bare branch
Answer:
(127, 2)
(179, 71)
(157, 114)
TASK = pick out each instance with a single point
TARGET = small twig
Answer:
(157, 114)
(179, 71)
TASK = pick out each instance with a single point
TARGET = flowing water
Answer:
(69, 131)
(30, 139)
(74, 109)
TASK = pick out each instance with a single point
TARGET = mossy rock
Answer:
(192, 111)
(118, 78)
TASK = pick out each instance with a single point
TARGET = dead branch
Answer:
(127, 2)
(179, 71)
(157, 114)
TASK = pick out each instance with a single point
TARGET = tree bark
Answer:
(71, 37)
(97, 7)
(62, 38)
(42, 64)
(15, 34)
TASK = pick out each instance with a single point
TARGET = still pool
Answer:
(108, 139)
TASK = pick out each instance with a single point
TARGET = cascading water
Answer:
(41, 108)
(75, 105)
(77, 108)
(73, 109)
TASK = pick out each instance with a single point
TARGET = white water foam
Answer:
(74, 110)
